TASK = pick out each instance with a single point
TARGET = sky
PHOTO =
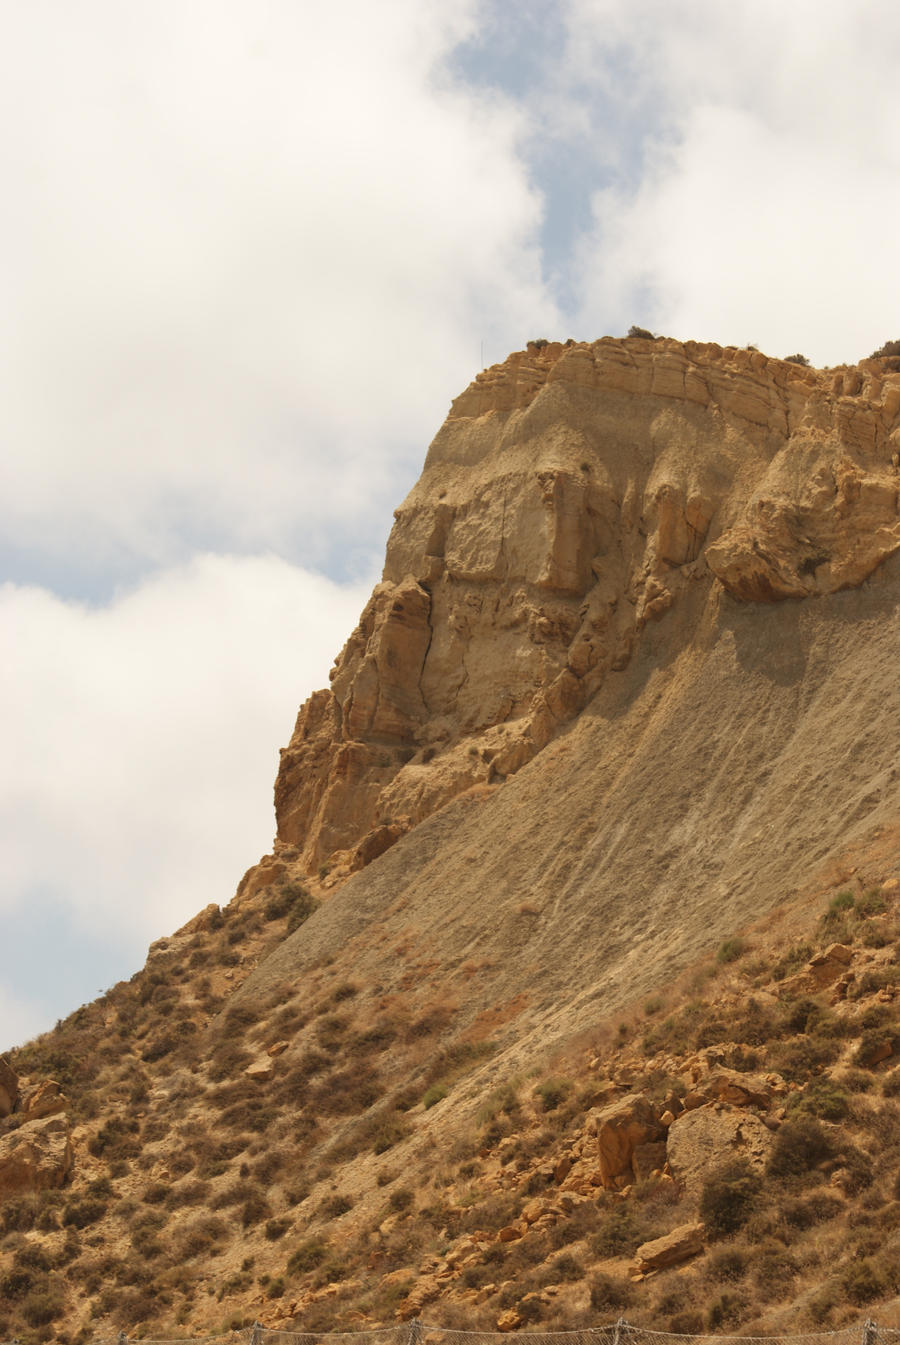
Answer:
(249, 252)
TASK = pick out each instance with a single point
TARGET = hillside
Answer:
(604, 772)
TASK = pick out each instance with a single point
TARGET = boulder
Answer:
(620, 1128)
(823, 970)
(679, 1245)
(9, 1088)
(740, 1090)
(46, 1099)
(37, 1156)
(703, 1139)
(260, 1070)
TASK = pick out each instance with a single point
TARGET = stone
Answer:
(277, 1048)
(701, 1140)
(671, 1250)
(35, 1157)
(738, 1089)
(509, 1320)
(9, 1088)
(621, 1128)
(260, 1070)
(562, 1169)
(46, 1099)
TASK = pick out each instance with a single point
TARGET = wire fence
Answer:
(418, 1333)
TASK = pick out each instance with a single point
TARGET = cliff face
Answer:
(574, 494)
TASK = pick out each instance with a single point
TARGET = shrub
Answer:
(609, 1293)
(799, 1146)
(889, 348)
(307, 1256)
(797, 359)
(80, 1213)
(552, 1092)
(727, 1309)
(862, 1282)
(823, 1099)
(642, 333)
(732, 949)
(276, 1228)
(334, 1206)
(728, 1198)
(433, 1096)
(619, 1233)
(43, 1306)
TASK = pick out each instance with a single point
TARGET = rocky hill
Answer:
(579, 929)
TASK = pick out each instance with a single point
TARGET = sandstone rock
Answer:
(509, 1320)
(701, 1140)
(823, 970)
(9, 1088)
(511, 1233)
(679, 1245)
(37, 1156)
(620, 1128)
(562, 1169)
(277, 1048)
(525, 564)
(261, 1070)
(738, 1089)
(46, 1099)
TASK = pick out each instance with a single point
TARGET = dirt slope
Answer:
(731, 767)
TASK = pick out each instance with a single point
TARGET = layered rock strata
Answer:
(572, 495)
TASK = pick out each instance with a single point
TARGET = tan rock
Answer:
(701, 1140)
(46, 1099)
(277, 1048)
(620, 1128)
(509, 1320)
(512, 1232)
(37, 1156)
(260, 1070)
(672, 1249)
(9, 1088)
(562, 1169)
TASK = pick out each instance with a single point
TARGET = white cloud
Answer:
(250, 252)
(140, 738)
(767, 178)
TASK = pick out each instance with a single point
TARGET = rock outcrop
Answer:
(9, 1088)
(36, 1156)
(573, 495)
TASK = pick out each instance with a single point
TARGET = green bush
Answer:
(799, 1146)
(609, 1293)
(307, 1256)
(433, 1096)
(823, 1099)
(732, 949)
(729, 1196)
(552, 1092)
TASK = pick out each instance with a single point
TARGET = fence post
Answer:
(121, 1338)
(415, 1332)
(870, 1332)
(256, 1333)
(619, 1330)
